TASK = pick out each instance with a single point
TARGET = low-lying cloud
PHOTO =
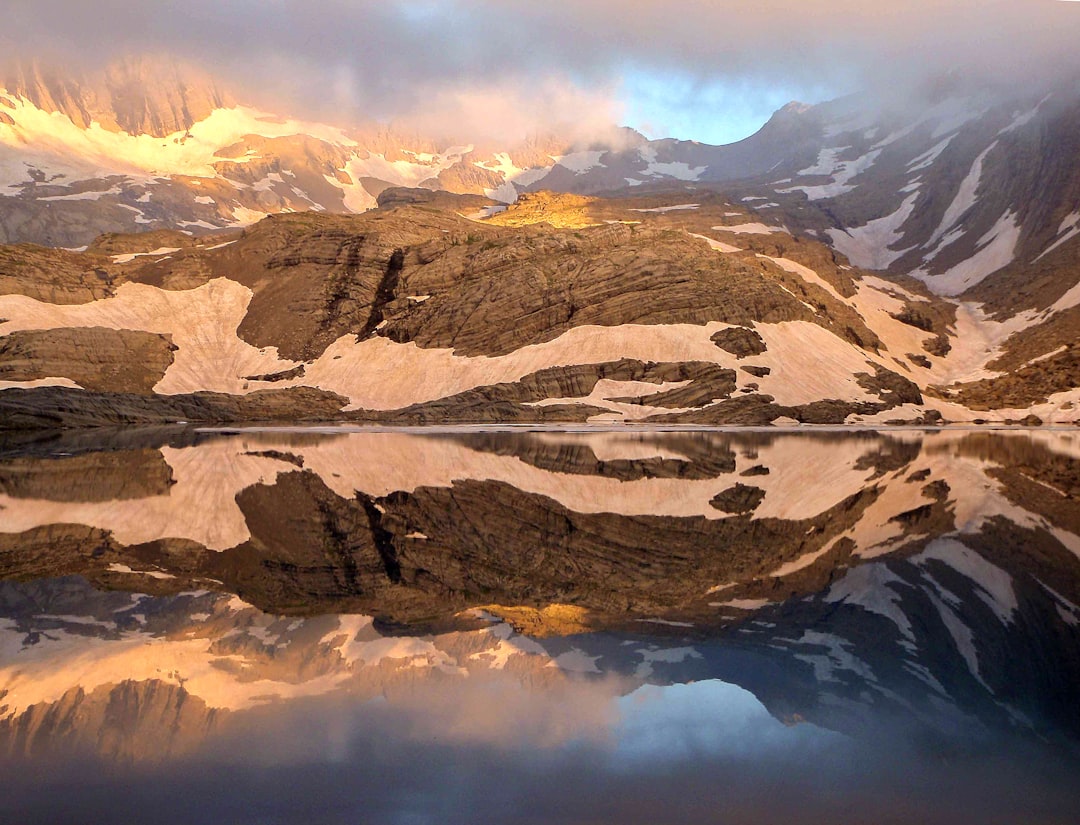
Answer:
(499, 67)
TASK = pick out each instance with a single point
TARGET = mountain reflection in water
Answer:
(540, 626)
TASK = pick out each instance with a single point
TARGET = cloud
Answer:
(515, 64)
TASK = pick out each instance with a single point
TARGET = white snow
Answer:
(39, 382)
(579, 162)
(671, 655)
(1069, 229)
(154, 574)
(995, 249)
(867, 246)
(1024, 118)
(992, 584)
(806, 273)
(576, 661)
(52, 142)
(84, 196)
(841, 172)
(927, 158)
(965, 196)
(677, 207)
(505, 193)
(719, 246)
(837, 656)
(873, 587)
(131, 256)
(201, 321)
(675, 169)
(242, 216)
(756, 228)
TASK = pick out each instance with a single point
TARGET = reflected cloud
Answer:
(542, 625)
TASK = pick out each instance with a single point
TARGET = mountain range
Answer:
(174, 255)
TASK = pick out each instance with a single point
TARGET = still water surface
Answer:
(409, 627)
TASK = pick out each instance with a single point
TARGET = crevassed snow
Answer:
(867, 246)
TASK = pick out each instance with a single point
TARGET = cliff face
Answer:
(139, 95)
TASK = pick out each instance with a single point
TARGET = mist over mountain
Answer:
(480, 65)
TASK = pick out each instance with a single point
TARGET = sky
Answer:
(710, 70)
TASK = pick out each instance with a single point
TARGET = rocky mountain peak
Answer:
(137, 95)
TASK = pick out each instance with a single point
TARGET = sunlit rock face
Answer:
(684, 313)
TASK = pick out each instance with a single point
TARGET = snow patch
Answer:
(579, 162)
(677, 207)
(131, 256)
(749, 229)
(867, 246)
(675, 169)
(965, 196)
(995, 249)
(1069, 229)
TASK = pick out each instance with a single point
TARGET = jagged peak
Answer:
(140, 94)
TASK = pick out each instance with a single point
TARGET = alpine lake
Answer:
(528, 625)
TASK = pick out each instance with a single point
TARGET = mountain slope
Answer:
(642, 310)
(444, 306)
